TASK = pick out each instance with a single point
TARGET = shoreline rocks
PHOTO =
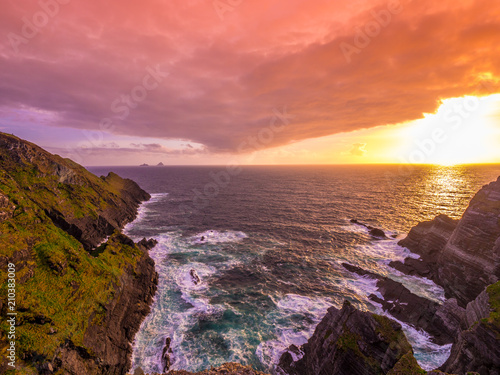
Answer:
(374, 232)
(349, 341)
(477, 346)
(442, 322)
(461, 256)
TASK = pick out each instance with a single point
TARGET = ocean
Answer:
(249, 258)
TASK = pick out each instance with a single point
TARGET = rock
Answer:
(374, 232)
(119, 197)
(349, 341)
(461, 256)
(428, 239)
(407, 365)
(165, 356)
(194, 276)
(6, 208)
(442, 322)
(67, 212)
(477, 347)
(379, 233)
(478, 309)
(147, 244)
(470, 261)
(47, 368)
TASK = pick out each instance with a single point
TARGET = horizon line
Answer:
(298, 165)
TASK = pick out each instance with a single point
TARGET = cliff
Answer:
(463, 257)
(349, 341)
(82, 287)
(477, 347)
(443, 322)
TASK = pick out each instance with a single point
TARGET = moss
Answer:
(385, 328)
(407, 365)
(494, 300)
(396, 337)
(56, 277)
(349, 340)
(328, 334)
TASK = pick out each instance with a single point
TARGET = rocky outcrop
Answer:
(89, 286)
(6, 208)
(463, 257)
(348, 342)
(471, 258)
(374, 232)
(442, 322)
(165, 355)
(477, 348)
(104, 204)
(427, 239)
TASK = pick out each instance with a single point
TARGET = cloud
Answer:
(225, 78)
(358, 149)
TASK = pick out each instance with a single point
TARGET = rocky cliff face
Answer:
(104, 205)
(79, 302)
(477, 347)
(472, 254)
(106, 346)
(349, 342)
(442, 322)
(463, 257)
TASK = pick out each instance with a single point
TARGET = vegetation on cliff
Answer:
(53, 214)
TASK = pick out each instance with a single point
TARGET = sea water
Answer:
(267, 246)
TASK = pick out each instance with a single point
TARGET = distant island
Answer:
(160, 164)
(144, 165)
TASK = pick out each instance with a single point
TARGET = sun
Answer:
(463, 131)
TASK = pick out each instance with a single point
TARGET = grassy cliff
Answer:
(53, 216)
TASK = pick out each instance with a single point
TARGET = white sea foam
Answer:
(381, 253)
(269, 352)
(215, 237)
(143, 211)
(360, 286)
(302, 304)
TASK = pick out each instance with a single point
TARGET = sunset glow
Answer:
(262, 82)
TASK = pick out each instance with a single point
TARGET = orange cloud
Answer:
(225, 76)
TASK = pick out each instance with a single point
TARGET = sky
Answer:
(253, 82)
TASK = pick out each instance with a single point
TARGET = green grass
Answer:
(56, 278)
(407, 365)
(494, 293)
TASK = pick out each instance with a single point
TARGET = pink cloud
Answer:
(225, 77)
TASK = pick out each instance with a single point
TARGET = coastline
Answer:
(82, 286)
